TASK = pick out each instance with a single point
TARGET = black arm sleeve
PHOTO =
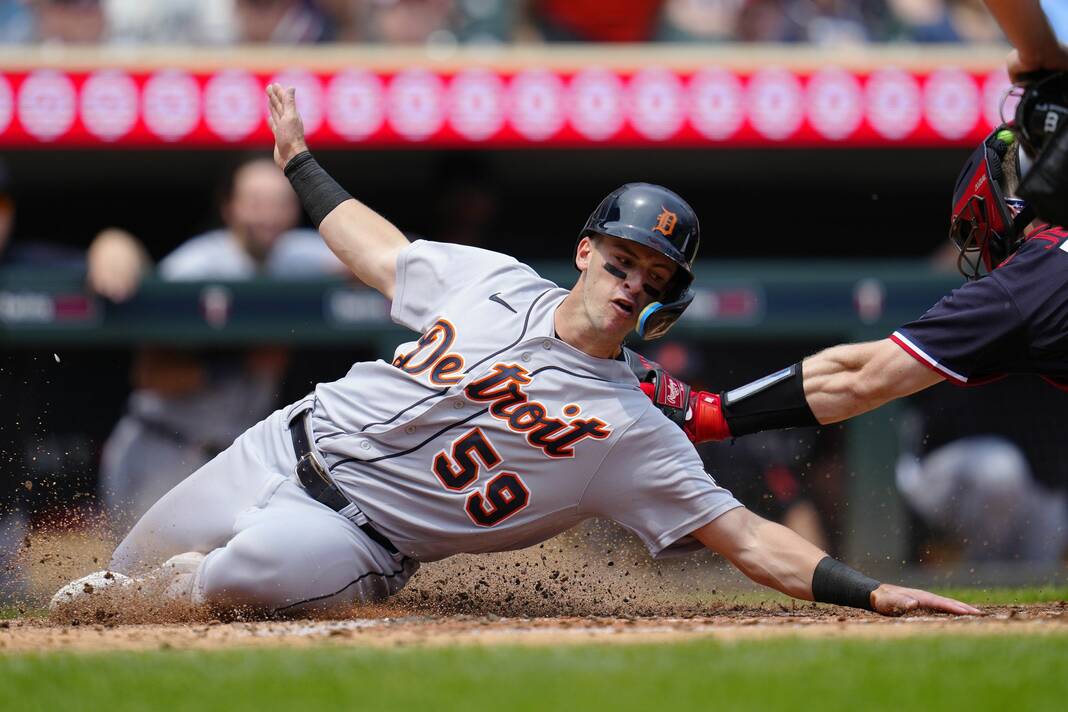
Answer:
(834, 582)
(318, 192)
(773, 402)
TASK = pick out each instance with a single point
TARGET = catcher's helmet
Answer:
(658, 218)
(986, 226)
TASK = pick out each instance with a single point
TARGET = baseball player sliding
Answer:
(511, 418)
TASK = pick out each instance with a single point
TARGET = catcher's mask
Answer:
(658, 218)
(986, 226)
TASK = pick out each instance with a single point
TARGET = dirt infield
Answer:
(393, 626)
(582, 588)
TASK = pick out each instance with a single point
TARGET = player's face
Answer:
(262, 207)
(621, 278)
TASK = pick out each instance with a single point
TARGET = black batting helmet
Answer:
(658, 218)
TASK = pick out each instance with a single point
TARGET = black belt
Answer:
(320, 485)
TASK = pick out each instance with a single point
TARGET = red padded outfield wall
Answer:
(639, 97)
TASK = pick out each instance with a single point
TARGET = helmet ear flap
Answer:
(657, 318)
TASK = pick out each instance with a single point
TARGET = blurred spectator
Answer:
(821, 22)
(945, 21)
(699, 20)
(494, 21)
(186, 406)
(441, 22)
(124, 259)
(44, 455)
(16, 22)
(280, 22)
(595, 21)
(407, 21)
(170, 21)
(54, 22)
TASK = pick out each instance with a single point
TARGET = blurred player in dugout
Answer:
(189, 405)
(41, 445)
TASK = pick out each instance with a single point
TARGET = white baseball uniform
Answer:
(161, 439)
(487, 433)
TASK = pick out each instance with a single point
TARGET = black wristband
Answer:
(773, 402)
(318, 192)
(834, 582)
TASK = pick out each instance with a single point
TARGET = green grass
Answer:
(972, 673)
(1007, 596)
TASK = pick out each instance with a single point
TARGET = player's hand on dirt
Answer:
(285, 123)
(116, 262)
(1019, 66)
(891, 600)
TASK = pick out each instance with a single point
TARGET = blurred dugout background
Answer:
(817, 139)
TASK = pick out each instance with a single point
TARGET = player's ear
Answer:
(583, 253)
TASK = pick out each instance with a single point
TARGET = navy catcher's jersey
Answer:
(1014, 320)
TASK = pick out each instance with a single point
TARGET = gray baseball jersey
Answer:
(486, 433)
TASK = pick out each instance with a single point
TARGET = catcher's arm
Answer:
(833, 385)
(851, 379)
(774, 556)
(363, 240)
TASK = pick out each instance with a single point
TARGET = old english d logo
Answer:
(666, 222)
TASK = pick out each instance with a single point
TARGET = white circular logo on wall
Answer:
(7, 103)
(109, 104)
(233, 104)
(596, 104)
(416, 104)
(47, 104)
(355, 104)
(951, 103)
(309, 97)
(717, 103)
(536, 104)
(476, 104)
(171, 104)
(893, 103)
(776, 103)
(656, 102)
(998, 104)
(835, 103)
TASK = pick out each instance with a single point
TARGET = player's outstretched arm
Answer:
(850, 379)
(363, 240)
(776, 557)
